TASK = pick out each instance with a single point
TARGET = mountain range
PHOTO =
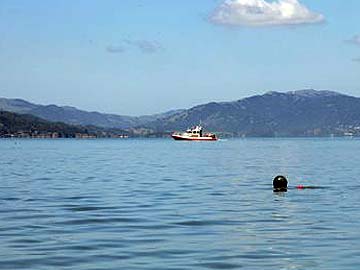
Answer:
(294, 113)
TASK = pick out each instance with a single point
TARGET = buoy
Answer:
(280, 183)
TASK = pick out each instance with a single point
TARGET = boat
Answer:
(194, 134)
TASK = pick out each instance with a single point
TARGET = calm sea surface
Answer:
(160, 204)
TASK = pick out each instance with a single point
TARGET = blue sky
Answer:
(148, 56)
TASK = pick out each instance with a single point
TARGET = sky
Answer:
(136, 57)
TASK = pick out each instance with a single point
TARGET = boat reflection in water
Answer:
(194, 134)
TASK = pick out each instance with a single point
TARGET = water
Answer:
(160, 204)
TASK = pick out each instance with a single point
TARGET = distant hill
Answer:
(295, 113)
(74, 116)
(25, 125)
(28, 125)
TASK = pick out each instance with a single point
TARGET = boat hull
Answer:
(188, 138)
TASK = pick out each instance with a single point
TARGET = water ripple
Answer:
(157, 204)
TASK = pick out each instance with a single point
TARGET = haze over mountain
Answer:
(294, 113)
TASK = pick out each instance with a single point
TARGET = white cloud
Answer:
(115, 49)
(354, 40)
(264, 13)
(145, 46)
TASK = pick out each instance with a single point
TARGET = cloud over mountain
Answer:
(264, 13)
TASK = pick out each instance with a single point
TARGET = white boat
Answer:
(194, 134)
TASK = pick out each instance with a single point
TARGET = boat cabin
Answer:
(195, 131)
